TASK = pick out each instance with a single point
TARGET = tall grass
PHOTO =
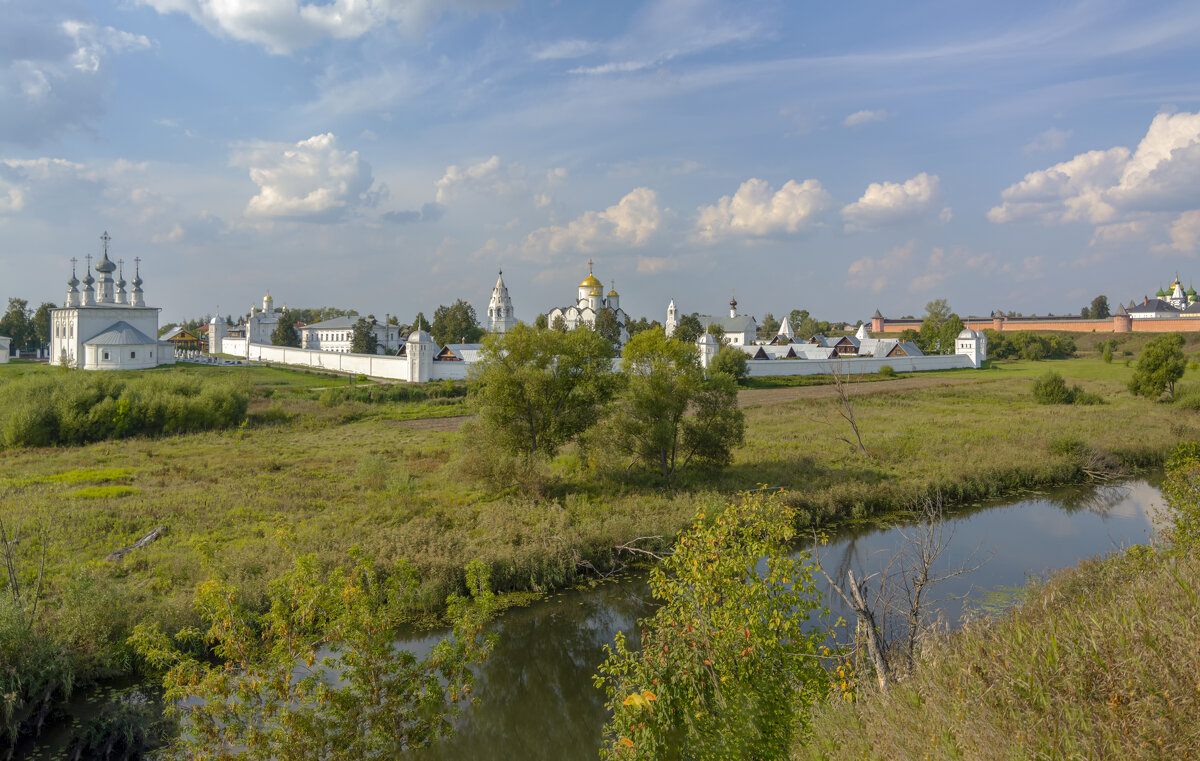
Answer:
(1098, 662)
(78, 408)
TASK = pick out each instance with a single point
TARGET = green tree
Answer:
(419, 322)
(41, 324)
(717, 331)
(727, 666)
(1099, 309)
(318, 675)
(665, 383)
(608, 327)
(688, 328)
(948, 333)
(633, 327)
(363, 340)
(456, 324)
(537, 389)
(769, 326)
(16, 323)
(559, 324)
(938, 311)
(542, 322)
(908, 334)
(927, 337)
(1160, 365)
(285, 333)
(732, 361)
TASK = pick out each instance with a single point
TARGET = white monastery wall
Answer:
(856, 365)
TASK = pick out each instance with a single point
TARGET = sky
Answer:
(391, 155)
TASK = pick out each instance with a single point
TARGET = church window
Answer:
(133, 355)
(106, 355)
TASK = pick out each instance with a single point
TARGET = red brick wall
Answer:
(1075, 325)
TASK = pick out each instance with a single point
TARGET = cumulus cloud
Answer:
(285, 26)
(886, 203)
(490, 176)
(1185, 233)
(52, 72)
(654, 265)
(864, 117)
(312, 180)
(43, 184)
(756, 211)
(1105, 187)
(631, 222)
(924, 274)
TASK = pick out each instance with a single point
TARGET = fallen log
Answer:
(154, 535)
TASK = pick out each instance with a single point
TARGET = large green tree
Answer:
(41, 324)
(456, 324)
(285, 333)
(688, 328)
(608, 327)
(536, 389)
(363, 340)
(16, 323)
(1160, 365)
(671, 414)
(948, 333)
(732, 361)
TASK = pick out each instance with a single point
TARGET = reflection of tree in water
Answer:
(534, 696)
(1100, 500)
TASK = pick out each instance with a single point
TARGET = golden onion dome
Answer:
(596, 290)
(613, 292)
(591, 282)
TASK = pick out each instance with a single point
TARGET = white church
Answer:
(589, 300)
(740, 329)
(500, 308)
(104, 327)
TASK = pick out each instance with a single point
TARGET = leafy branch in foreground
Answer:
(727, 662)
(318, 676)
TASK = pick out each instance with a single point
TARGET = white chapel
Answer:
(104, 327)
(500, 308)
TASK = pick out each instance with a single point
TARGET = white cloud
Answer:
(1112, 186)
(878, 273)
(285, 26)
(631, 222)
(654, 265)
(864, 117)
(490, 176)
(890, 202)
(755, 211)
(1185, 232)
(52, 71)
(565, 49)
(25, 182)
(1053, 139)
(313, 180)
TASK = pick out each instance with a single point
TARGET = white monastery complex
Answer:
(104, 327)
(589, 301)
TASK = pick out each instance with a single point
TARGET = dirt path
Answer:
(751, 397)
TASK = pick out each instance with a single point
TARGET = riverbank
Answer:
(349, 474)
(1099, 661)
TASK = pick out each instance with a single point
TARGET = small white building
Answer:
(102, 327)
(500, 308)
(740, 329)
(337, 334)
(5, 349)
(972, 344)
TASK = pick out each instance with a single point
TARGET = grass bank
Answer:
(1100, 661)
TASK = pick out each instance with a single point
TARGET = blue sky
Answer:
(389, 155)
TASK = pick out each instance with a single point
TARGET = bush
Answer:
(887, 371)
(732, 362)
(1052, 389)
(1026, 344)
(79, 408)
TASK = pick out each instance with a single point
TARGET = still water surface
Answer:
(535, 698)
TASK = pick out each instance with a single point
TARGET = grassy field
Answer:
(352, 474)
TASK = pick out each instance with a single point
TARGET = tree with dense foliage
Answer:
(1160, 365)
(938, 311)
(16, 323)
(41, 324)
(727, 667)
(769, 325)
(363, 339)
(688, 328)
(456, 324)
(948, 333)
(665, 383)
(1097, 310)
(541, 322)
(285, 333)
(732, 361)
(419, 322)
(717, 331)
(559, 324)
(607, 326)
(633, 327)
(537, 389)
(1025, 344)
(318, 674)
(805, 326)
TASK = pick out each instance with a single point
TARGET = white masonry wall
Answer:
(856, 365)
